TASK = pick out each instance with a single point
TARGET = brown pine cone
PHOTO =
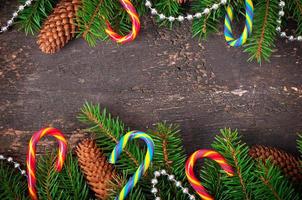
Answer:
(290, 165)
(98, 172)
(59, 27)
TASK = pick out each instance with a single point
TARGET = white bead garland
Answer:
(15, 15)
(181, 18)
(279, 21)
(16, 165)
(171, 177)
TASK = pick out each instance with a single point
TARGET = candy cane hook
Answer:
(130, 9)
(195, 183)
(228, 33)
(142, 168)
(31, 156)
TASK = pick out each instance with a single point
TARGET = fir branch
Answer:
(299, 143)
(207, 23)
(107, 132)
(236, 153)
(168, 8)
(12, 184)
(261, 42)
(294, 8)
(31, 18)
(271, 183)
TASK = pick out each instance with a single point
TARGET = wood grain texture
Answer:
(165, 75)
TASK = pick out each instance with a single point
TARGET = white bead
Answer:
(299, 38)
(157, 198)
(1, 157)
(17, 165)
(178, 184)
(154, 190)
(279, 21)
(162, 16)
(148, 4)
(171, 19)
(206, 11)
(163, 172)
(281, 13)
(4, 29)
(189, 17)
(291, 38)
(23, 172)
(192, 197)
(171, 177)
(180, 18)
(9, 22)
(278, 29)
(215, 6)
(15, 14)
(153, 11)
(283, 34)
(198, 15)
(282, 4)
(21, 8)
(156, 173)
(154, 181)
(223, 2)
(28, 2)
(9, 159)
(185, 190)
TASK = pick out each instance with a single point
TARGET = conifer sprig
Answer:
(261, 43)
(299, 143)
(31, 18)
(12, 184)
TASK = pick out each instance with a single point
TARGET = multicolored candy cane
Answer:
(228, 33)
(31, 156)
(195, 183)
(127, 5)
(142, 168)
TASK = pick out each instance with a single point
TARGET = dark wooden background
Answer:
(165, 75)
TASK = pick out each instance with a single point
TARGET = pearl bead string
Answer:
(15, 15)
(16, 165)
(181, 18)
(279, 21)
(171, 177)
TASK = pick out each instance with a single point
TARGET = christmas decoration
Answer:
(171, 177)
(60, 26)
(228, 33)
(31, 156)
(142, 168)
(16, 164)
(127, 5)
(290, 165)
(283, 34)
(204, 153)
(98, 172)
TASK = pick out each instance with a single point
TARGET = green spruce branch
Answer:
(31, 18)
(299, 143)
(261, 43)
(12, 184)
(294, 10)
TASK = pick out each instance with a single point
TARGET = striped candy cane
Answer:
(31, 156)
(142, 168)
(228, 33)
(195, 183)
(127, 5)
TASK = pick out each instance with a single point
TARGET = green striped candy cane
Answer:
(228, 33)
(142, 168)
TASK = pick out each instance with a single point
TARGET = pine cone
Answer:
(290, 165)
(98, 172)
(59, 27)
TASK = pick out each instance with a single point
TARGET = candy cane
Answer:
(127, 5)
(31, 156)
(195, 183)
(228, 33)
(142, 168)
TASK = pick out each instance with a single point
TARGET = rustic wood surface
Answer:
(164, 75)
